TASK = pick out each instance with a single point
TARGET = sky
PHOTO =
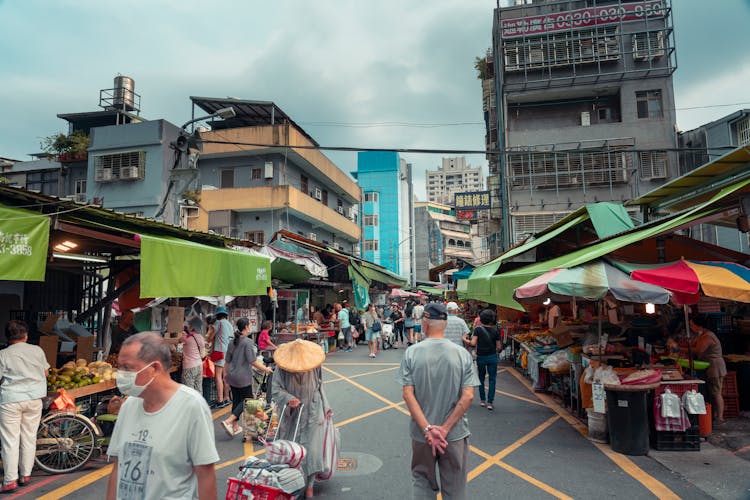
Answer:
(385, 74)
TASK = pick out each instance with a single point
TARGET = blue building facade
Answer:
(385, 231)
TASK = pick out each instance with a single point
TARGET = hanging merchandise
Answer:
(670, 404)
(694, 403)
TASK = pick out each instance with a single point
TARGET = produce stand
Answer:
(88, 390)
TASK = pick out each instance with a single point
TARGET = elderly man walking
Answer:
(438, 385)
(456, 327)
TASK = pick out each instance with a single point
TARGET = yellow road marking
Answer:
(365, 389)
(549, 489)
(651, 483)
(511, 448)
(221, 412)
(520, 398)
(79, 483)
(362, 364)
(362, 374)
(369, 414)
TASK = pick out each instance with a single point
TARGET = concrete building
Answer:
(259, 172)
(386, 185)
(585, 107)
(440, 238)
(453, 176)
(708, 143)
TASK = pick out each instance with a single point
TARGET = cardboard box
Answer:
(175, 321)
(48, 343)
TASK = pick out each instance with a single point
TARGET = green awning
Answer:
(432, 290)
(289, 272)
(373, 272)
(24, 240)
(171, 267)
(478, 286)
(609, 219)
(503, 285)
(360, 286)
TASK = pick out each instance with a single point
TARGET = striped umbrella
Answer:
(687, 279)
(590, 281)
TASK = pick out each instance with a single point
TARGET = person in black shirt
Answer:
(486, 339)
(124, 329)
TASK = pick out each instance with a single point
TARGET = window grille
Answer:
(549, 170)
(743, 132)
(112, 167)
(255, 174)
(371, 196)
(653, 164)
(648, 45)
(648, 104)
(527, 224)
(255, 236)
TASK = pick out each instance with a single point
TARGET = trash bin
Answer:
(627, 418)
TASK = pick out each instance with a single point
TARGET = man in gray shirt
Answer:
(456, 327)
(438, 382)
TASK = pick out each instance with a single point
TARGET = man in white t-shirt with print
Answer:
(455, 327)
(163, 442)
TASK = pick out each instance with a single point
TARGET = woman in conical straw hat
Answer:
(297, 381)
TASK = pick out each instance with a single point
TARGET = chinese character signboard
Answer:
(473, 200)
(582, 18)
(24, 238)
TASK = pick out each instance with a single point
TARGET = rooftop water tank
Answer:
(124, 93)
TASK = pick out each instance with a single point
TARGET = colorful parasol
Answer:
(590, 281)
(686, 279)
(400, 292)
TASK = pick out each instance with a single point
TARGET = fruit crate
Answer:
(731, 406)
(729, 387)
(690, 440)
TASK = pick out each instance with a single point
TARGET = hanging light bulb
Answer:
(650, 308)
(547, 302)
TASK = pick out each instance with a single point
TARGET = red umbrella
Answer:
(400, 292)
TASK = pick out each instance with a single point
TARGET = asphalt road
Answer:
(527, 448)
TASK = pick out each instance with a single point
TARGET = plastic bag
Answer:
(209, 369)
(63, 402)
(331, 444)
(606, 375)
(557, 361)
(694, 403)
(670, 405)
(287, 452)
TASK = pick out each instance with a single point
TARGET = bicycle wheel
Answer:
(64, 443)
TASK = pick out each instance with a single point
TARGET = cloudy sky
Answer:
(385, 74)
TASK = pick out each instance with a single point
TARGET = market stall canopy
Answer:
(378, 273)
(463, 274)
(503, 285)
(590, 281)
(360, 286)
(687, 279)
(171, 267)
(400, 292)
(607, 219)
(307, 259)
(24, 240)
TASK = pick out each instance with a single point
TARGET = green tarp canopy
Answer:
(432, 290)
(24, 240)
(607, 218)
(373, 272)
(503, 285)
(360, 286)
(172, 267)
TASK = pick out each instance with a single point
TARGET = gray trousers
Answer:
(452, 467)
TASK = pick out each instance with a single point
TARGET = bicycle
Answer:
(65, 441)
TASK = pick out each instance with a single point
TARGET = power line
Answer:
(455, 151)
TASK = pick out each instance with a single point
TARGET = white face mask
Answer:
(126, 382)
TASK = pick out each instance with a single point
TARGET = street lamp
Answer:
(184, 141)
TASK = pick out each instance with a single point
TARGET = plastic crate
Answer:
(729, 387)
(731, 407)
(690, 440)
(241, 490)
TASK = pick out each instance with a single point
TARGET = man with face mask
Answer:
(163, 442)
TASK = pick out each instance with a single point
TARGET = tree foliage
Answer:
(74, 145)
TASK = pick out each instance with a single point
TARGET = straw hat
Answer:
(299, 356)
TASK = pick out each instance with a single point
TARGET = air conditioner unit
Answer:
(312, 236)
(268, 172)
(104, 175)
(352, 213)
(585, 119)
(81, 197)
(317, 194)
(340, 210)
(129, 173)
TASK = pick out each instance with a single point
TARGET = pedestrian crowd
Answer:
(165, 429)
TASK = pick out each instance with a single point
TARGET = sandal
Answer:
(237, 432)
(227, 428)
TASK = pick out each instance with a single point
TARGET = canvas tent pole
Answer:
(687, 331)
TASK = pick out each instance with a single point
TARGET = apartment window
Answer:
(653, 164)
(743, 132)
(370, 245)
(304, 184)
(536, 170)
(226, 178)
(371, 196)
(370, 220)
(648, 103)
(324, 197)
(130, 165)
(255, 236)
(80, 186)
(255, 174)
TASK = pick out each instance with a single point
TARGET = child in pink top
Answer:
(264, 338)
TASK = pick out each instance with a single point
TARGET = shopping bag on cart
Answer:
(331, 444)
(63, 402)
(285, 451)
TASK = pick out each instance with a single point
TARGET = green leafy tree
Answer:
(74, 145)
